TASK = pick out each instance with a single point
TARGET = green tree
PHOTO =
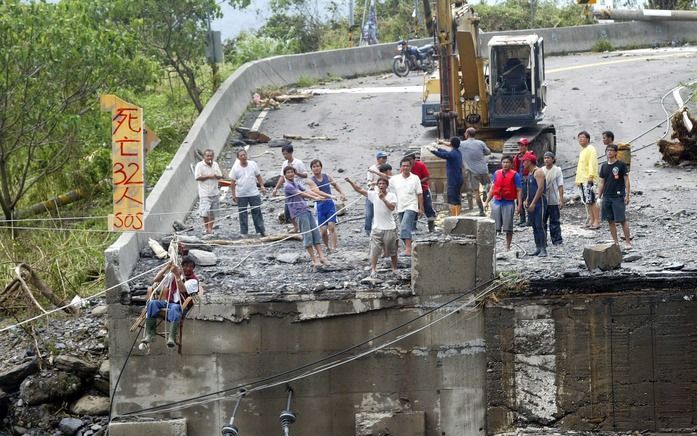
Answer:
(296, 28)
(55, 60)
(174, 32)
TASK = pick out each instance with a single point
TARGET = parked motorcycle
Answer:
(412, 58)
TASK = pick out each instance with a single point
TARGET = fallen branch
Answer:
(270, 238)
(309, 138)
(24, 272)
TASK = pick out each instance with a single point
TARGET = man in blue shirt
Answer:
(453, 171)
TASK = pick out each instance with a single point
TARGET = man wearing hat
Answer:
(614, 186)
(372, 178)
(523, 146)
(535, 202)
(554, 194)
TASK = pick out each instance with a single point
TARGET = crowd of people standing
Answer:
(535, 193)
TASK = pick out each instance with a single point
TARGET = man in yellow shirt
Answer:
(586, 175)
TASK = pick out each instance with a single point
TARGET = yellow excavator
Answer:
(502, 95)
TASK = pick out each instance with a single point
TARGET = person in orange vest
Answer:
(506, 189)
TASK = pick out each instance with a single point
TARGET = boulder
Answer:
(91, 405)
(605, 257)
(104, 368)
(203, 258)
(70, 426)
(99, 310)
(4, 404)
(49, 386)
(12, 377)
(288, 257)
(74, 364)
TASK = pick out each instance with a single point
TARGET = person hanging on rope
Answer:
(177, 285)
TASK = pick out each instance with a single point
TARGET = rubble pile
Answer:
(683, 148)
(61, 387)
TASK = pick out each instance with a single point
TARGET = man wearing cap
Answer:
(183, 283)
(419, 169)
(523, 145)
(506, 188)
(371, 178)
(473, 157)
(453, 172)
(586, 173)
(554, 194)
(614, 186)
(535, 202)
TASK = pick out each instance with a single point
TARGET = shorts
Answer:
(588, 193)
(308, 228)
(503, 213)
(326, 212)
(614, 209)
(454, 189)
(407, 221)
(477, 179)
(383, 241)
(207, 206)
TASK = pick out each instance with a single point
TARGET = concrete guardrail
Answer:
(176, 189)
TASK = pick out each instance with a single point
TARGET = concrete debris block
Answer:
(91, 405)
(603, 256)
(75, 364)
(391, 423)
(49, 386)
(481, 228)
(12, 377)
(100, 310)
(70, 426)
(486, 262)
(443, 267)
(288, 257)
(203, 258)
(171, 427)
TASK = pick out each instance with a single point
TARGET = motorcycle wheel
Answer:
(400, 68)
(431, 67)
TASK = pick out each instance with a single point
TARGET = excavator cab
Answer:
(516, 82)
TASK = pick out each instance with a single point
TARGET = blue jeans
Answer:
(255, 202)
(308, 227)
(552, 215)
(407, 221)
(369, 212)
(524, 210)
(174, 310)
(428, 204)
(536, 219)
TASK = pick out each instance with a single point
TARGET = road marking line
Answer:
(618, 61)
(369, 90)
(259, 120)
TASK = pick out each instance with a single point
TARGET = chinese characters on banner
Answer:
(127, 164)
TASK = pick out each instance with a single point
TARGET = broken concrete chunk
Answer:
(444, 267)
(606, 257)
(203, 258)
(481, 228)
(288, 257)
(391, 423)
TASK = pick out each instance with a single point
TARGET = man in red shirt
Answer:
(419, 169)
(518, 167)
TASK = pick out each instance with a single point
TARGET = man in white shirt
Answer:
(383, 233)
(207, 173)
(555, 198)
(410, 201)
(372, 178)
(300, 176)
(245, 177)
